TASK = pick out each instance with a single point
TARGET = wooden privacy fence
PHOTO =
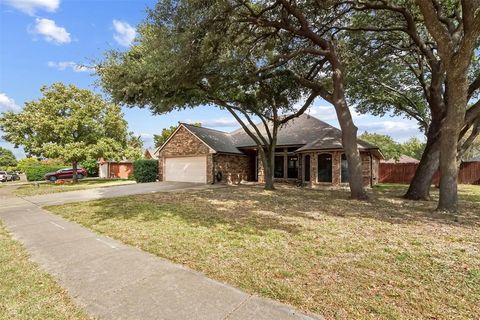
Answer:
(469, 173)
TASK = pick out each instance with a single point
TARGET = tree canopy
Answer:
(7, 158)
(68, 123)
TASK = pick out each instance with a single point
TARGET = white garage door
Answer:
(186, 169)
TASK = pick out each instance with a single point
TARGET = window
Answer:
(292, 166)
(325, 167)
(279, 150)
(344, 170)
(278, 168)
(306, 168)
(292, 149)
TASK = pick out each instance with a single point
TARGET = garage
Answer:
(186, 169)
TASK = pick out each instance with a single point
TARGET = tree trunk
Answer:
(457, 88)
(419, 188)
(269, 170)
(75, 176)
(349, 130)
(350, 147)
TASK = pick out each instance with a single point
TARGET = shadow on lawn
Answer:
(196, 211)
(255, 211)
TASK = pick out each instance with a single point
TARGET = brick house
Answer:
(308, 150)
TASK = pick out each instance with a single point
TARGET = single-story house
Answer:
(115, 169)
(308, 150)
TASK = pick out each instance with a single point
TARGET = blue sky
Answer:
(46, 41)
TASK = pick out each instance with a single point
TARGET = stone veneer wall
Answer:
(185, 144)
(368, 178)
(234, 168)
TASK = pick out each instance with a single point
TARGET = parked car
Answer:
(66, 173)
(15, 176)
(5, 176)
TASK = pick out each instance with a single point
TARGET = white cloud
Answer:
(147, 139)
(400, 130)
(324, 113)
(30, 6)
(219, 122)
(125, 33)
(389, 126)
(51, 32)
(62, 65)
(327, 113)
(7, 103)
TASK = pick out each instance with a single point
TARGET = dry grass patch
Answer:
(317, 250)
(49, 187)
(25, 291)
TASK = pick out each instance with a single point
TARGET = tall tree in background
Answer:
(68, 123)
(7, 158)
(413, 147)
(134, 149)
(389, 147)
(160, 139)
(195, 53)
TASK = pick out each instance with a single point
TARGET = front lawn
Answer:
(49, 187)
(314, 249)
(25, 291)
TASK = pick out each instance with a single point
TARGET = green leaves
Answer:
(68, 123)
(392, 149)
(7, 158)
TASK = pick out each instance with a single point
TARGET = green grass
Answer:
(48, 187)
(25, 291)
(317, 250)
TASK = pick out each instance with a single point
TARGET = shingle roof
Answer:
(298, 131)
(331, 139)
(306, 131)
(217, 140)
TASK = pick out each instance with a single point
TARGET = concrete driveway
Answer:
(114, 191)
(114, 281)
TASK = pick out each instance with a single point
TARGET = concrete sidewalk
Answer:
(115, 281)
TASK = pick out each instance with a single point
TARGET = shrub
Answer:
(36, 173)
(91, 166)
(145, 170)
(24, 163)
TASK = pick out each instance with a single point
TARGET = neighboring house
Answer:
(149, 154)
(402, 159)
(308, 150)
(115, 169)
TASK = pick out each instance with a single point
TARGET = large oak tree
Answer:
(445, 80)
(194, 53)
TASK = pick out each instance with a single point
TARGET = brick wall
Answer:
(184, 143)
(234, 168)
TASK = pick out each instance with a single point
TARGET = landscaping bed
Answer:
(34, 189)
(25, 291)
(314, 249)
